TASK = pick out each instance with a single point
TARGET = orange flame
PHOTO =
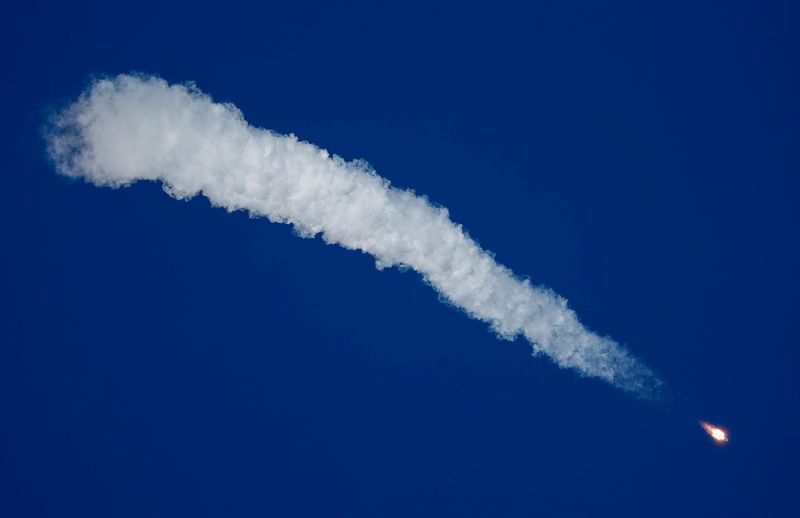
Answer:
(716, 433)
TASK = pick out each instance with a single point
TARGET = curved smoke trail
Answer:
(132, 128)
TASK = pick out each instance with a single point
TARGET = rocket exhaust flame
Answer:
(718, 434)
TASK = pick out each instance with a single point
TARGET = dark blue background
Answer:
(163, 358)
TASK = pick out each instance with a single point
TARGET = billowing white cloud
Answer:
(135, 127)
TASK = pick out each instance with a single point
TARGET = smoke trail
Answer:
(132, 128)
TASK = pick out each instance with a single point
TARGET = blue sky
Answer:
(167, 358)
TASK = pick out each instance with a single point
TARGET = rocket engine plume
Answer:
(718, 434)
(138, 127)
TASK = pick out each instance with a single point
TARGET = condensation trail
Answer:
(135, 127)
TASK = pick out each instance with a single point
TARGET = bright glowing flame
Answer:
(716, 433)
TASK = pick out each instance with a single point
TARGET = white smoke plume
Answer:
(135, 127)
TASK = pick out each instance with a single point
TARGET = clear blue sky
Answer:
(164, 358)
